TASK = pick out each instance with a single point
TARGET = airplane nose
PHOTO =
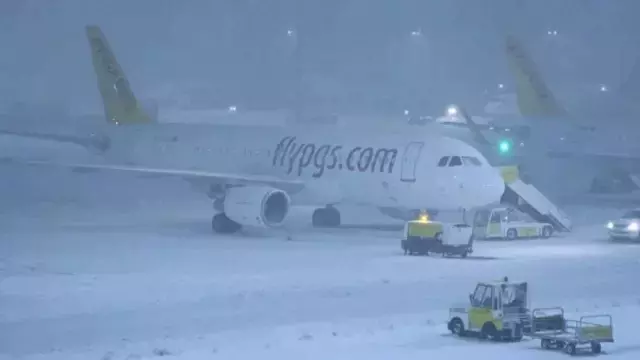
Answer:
(488, 188)
(494, 187)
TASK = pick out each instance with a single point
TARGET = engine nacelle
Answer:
(256, 205)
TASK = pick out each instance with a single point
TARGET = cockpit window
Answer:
(443, 161)
(455, 161)
(470, 160)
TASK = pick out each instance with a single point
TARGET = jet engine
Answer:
(256, 206)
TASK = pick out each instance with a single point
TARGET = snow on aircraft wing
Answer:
(610, 156)
(193, 176)
(67, 139)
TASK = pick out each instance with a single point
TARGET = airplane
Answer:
(582, 152)
(251, 172)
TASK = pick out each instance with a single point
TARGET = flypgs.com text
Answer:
(296, 157)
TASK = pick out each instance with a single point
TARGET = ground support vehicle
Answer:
(508, 223)
(499, 311)
(424, 236)
(496, 311)
(556, 332)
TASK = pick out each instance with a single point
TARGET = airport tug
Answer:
(496, 311)
(424, 236)
(500, 311)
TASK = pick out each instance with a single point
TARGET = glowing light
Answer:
(633, 227)
(609, 225)
(504, 146)
(452, 111)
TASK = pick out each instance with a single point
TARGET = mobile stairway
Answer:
(529, 200)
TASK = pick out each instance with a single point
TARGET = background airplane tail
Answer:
(120, 104)
(533, 95)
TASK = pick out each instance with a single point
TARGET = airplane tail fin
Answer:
(533, 95)
(120, 104)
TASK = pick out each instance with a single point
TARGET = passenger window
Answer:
(470, 160)
(443, 161)
(455, 161)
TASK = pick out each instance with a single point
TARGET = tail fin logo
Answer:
(534, 97)
(120, 103)
(527, 68)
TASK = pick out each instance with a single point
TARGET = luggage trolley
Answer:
(556, 332)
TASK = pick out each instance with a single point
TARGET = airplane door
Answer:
(410, 161)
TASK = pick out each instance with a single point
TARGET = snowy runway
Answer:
(125, 268)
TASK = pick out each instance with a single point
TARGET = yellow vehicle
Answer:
(496, 310)
(424, 236)
(500, 311)
(507, 223)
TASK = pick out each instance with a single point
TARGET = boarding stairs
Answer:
(529, 200)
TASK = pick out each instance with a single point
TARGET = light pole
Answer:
(414, 62)
(296, 71)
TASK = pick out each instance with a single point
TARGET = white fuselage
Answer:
(369, 167)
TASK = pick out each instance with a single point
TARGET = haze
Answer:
(356, 56)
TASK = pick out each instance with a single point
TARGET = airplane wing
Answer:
(192, 176)
(67, 139)
(610, 157)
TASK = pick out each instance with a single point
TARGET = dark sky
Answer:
(361, 51)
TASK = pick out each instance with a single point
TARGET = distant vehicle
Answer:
(625, 228)
(508, 223)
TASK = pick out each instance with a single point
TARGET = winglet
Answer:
(533, 95)
(120, 104)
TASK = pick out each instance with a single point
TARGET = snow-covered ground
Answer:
(97, 266)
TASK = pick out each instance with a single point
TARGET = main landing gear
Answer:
(220, 223)
(327, 217)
